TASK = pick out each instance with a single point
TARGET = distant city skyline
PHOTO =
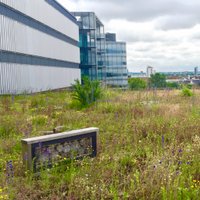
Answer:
(167, 69)
(164, 34)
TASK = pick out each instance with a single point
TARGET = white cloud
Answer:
(161, 33)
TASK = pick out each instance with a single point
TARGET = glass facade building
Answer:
(102, 57)
(116, 64)
(92, 45)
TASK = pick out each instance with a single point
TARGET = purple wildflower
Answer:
(9, 171)
(180, 150)
(179, 162)
(26, 156)
(177, 172)
(163, 140)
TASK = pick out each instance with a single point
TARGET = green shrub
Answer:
(173, 85)
(157, 80)
(137, 83)
(87, 92)
(186, 92)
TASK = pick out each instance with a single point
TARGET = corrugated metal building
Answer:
(38, 46)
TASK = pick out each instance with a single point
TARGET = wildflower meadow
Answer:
(148, 146)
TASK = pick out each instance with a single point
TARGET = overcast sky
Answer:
(164, 34)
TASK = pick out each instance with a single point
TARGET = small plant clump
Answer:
(87, 92)
(186, 92)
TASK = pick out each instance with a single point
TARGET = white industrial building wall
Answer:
(17, 78)
(45, 13)
(37, 58)
(17, 37)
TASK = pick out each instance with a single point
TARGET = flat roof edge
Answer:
(88, 12)
(61, 9)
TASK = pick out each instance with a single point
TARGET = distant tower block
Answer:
(149, 71)
(196, 71)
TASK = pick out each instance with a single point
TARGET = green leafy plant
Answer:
(87, 92)
(186, 92)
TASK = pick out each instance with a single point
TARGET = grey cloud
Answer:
(144, 10)
(142, 49)
(196, 35)
(132, 38)
(176, 22)
(149, 38)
